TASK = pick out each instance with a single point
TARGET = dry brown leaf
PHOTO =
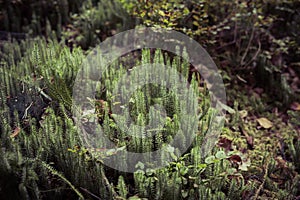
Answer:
(281, 163)
(16, 132)
(243, 113)
(264, 122)
(235, 159)
(295, 106)
(225, 143)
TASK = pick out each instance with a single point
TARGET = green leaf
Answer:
(221, 155)
(111, 152)
(202, 166)
(265, 123)
(196, 23)
(231, 171)
(210, 159)
(184, 193)
(121, 148)
(140, 165)
(160, 12)
(227, 108)
(170, 149)
(134, 198)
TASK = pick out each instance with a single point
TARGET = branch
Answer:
(263, 182)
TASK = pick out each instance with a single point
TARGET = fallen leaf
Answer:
(264, 122)
(225, 143)
(16, 132)
(249, 138)
(295, 106)
(245, 164)
(243, 113)
(235, 159)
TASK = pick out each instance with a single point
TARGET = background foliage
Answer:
(254, 43)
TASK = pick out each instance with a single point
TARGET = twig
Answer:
(43, 93)
(248, 47)
(26, 111)
(256, 54)
(85, 190)
(108, 185)
(263, 182)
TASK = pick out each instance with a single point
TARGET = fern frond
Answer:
(61, 176)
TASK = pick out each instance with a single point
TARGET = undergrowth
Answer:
(42, 153)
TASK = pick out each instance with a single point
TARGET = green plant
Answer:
(32, 134)
(96, 21)
(190, 17)
(42, 154)
(33, 17)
